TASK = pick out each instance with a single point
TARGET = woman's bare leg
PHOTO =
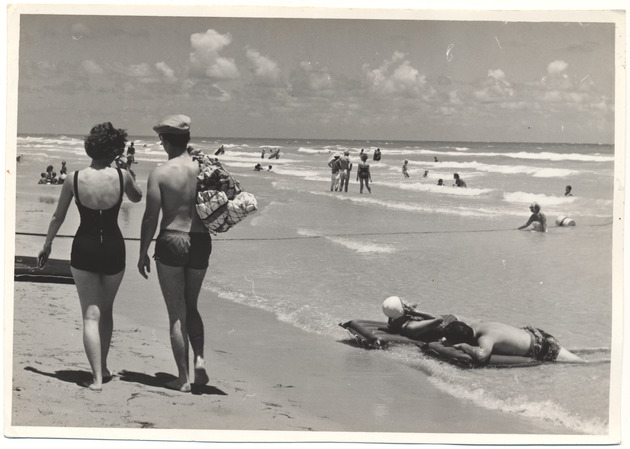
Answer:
(93, 303)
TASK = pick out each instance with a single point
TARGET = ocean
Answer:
(316, 258)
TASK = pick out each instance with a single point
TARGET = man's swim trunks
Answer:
(98, 245)
(544, 347)
(183, 249)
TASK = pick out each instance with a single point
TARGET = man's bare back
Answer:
(177, 182)
(503, 338)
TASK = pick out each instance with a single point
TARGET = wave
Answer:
(462, 211)
(538, 172)
(547, 411)
(541, 198)
(359, 246)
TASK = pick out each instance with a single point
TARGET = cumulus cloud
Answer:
(557, 67)
(205, 58)
(495, 87)
(90, 67)
(265, 69)
(395, 76)
(311, 78)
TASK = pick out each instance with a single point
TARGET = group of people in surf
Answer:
(480, 340)
(341, 168)
(50, 176)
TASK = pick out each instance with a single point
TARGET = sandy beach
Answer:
(265, 376)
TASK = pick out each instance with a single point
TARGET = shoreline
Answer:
(265, 375)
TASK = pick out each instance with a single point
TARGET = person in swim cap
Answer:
(406, 320)
(538, 220)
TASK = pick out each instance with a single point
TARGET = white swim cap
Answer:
(393, 307)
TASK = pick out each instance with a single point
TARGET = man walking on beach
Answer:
(182, 249)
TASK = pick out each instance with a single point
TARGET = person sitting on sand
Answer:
(182, 248)
(62, 178)
(406, 320)
(567, 191)
(43, 179)
(53, 178)
(404, 169)
(459, 182)
(538, 220)
(481, 340)
(363, 174)
(97, 259)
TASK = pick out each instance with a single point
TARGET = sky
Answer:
(367, 79)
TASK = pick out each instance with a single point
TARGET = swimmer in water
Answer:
(567, 191)
(537, 219)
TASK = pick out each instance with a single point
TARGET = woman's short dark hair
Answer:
(105, 141)
(459, 332)
(177, 140)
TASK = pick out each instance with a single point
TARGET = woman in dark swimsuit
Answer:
(98, 250)
(363, 174)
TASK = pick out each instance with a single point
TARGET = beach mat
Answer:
(459, 358)
(56, 271)
(371, 334)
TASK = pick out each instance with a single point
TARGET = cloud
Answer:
(495, 87)
(168, 75)
(265, 69)
(310, 78)
(395, 76)
(205, 58)
(557, 67)
(90, 67)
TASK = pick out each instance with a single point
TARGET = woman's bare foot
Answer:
(201, 377)
(178, 385)
(107, 375)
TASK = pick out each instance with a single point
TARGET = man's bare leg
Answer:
(172, 283)
(567, 356)
(194, 281)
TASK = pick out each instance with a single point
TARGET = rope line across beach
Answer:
(320, 236)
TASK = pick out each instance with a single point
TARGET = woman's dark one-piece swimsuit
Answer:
(98, 245)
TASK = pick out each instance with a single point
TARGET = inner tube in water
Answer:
(56, 271)
(459, 358)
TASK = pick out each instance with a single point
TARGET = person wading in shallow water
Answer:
(182, 248)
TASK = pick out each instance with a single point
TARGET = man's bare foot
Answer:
(178, 385)
(94, 386)
(201, 377)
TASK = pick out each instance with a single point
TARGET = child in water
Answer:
(404, 169)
